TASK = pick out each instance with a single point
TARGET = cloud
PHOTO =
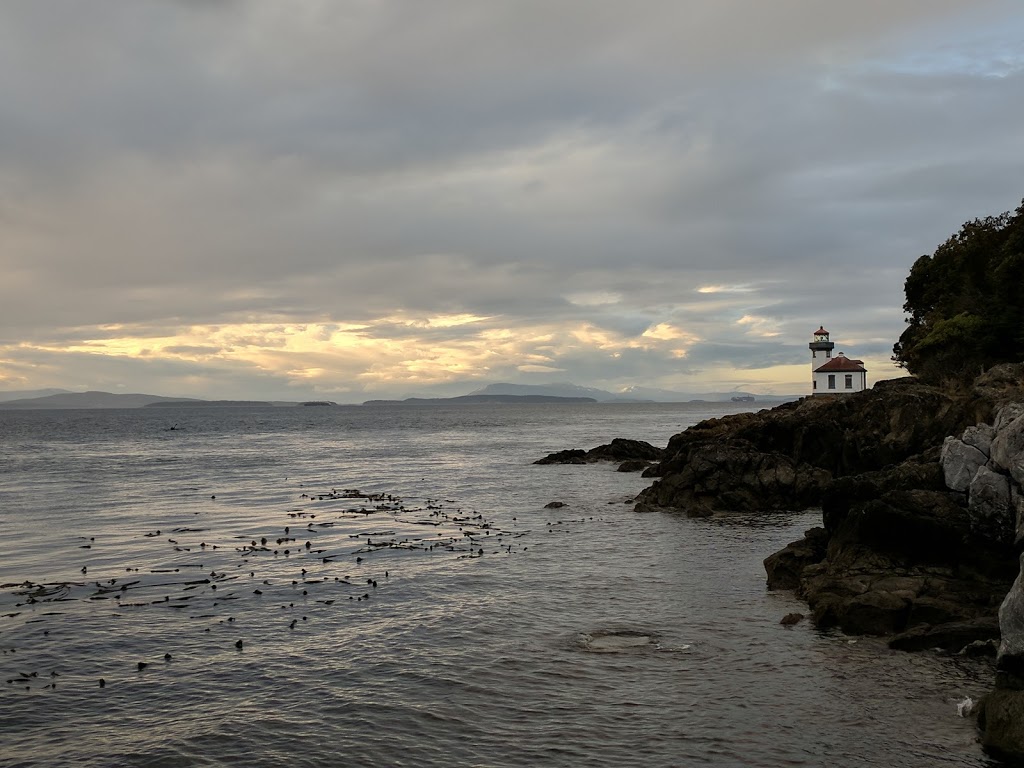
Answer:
(275, 198)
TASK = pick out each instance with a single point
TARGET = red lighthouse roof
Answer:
(821, 330)
(842, 364)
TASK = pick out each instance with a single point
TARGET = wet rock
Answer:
(874, 613)
(952, 636)
(791, 618)
(570, 456)
(633, 465)
(554, 505)
(785, 568)
(620, 449)
(1001, 720)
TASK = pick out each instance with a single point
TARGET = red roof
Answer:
(841, 364)
(821, 330)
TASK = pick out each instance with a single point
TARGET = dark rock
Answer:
(1001, 719)
(554, 505)
(953, 636)
(633, 465)
(791, 618)
(571, 456)
(619, 449)
(786, 566)
(979, 648)
(733, 475)
(874, 613)
(785, 458)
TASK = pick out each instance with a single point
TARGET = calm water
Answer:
(414, 603)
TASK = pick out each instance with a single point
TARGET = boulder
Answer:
(979, 437)
(1007, 414)
(1011, 625)
(1008, 448)
(621, 449)
(989, 506)
(1001, 720)
(960, 462)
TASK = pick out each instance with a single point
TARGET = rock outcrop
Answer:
(634, 455)
(923, 549)
(785, 458)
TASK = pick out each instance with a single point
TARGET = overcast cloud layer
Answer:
(376, 198)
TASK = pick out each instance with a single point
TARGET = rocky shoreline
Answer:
(922, 497)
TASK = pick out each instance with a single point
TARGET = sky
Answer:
(353, 199)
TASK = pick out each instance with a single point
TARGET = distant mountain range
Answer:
(481, 398)
(629, 395)
(64, 399)
(24, 394)
(31, 399)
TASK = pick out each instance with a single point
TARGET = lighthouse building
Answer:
(834, 375)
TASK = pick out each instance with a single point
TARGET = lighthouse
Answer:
(834, 375)
(821, 348)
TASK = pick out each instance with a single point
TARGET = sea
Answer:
(388, 586)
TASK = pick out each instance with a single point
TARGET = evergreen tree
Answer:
(965, 303)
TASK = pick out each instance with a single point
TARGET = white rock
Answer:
(1007, 451)
(960, 462)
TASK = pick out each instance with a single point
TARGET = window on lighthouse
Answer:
(849, 381)
(831, 381)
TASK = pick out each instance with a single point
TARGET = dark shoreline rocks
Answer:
(633, 455)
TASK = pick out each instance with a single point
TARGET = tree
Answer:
(965, 303)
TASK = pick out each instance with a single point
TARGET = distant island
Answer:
(492, 393)
(470, 399)
(213, 403)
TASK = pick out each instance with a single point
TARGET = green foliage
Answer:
(965, 303)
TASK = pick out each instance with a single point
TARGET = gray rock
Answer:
(1011, 627)
(960, 462)
(1006, 414)
(979, 437)
(1008, 448)
(988, 503)
(1017, 502)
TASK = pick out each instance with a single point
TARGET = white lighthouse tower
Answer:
(821, 348)
(834, 375)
